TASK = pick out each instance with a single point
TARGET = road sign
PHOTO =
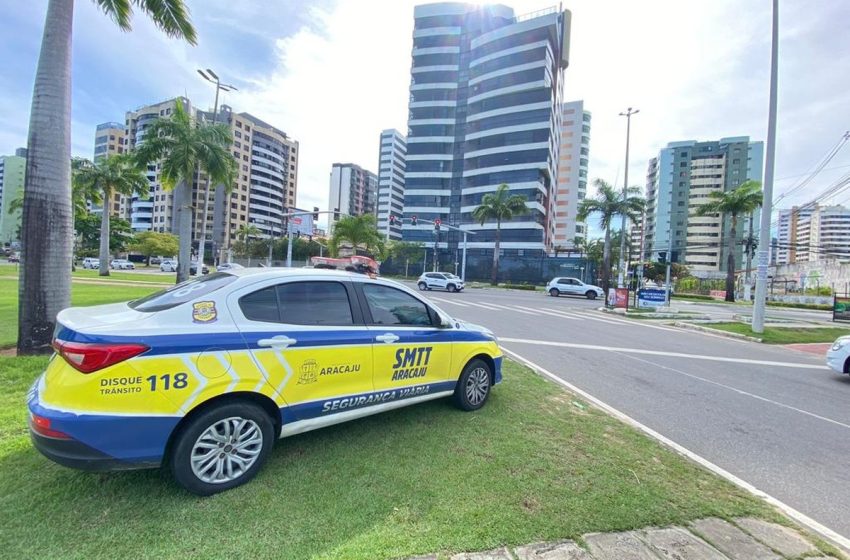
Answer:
(296, 220)
(652, 297)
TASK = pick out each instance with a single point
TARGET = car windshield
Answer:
(181, 293)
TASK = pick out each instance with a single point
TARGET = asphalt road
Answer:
(774, 417)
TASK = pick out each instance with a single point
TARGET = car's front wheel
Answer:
(590, 294)
(451, 288)
(223, 447)
(554, 292)
(473, 387)
(422, 286)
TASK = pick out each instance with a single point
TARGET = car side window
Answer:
(390, 306)
(314, 303)
(563, 281)
(261, 306)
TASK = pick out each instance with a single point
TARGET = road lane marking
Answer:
(742, 392)
(506, 308)
(800, 517)
(449, 301)
(662, 353)
(484, 306)
(543, 311)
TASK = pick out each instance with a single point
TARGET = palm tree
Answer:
(501, 206)
(742, 200)
(247, 230)
(47, 231)
(181, 146)
(114, 174)
(360, 231)
(609, 203)
(580, 245)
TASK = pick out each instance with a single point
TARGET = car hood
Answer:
(465, 326)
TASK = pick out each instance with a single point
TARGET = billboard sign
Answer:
(301, 224)
(652, 297)
(841, 309)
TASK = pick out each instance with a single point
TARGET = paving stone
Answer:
(675, 543)
(732, 541)
(561, 550)
(497, 554)
(618, 546)
(779, 538)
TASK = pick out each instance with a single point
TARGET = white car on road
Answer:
(91, 262)
(122, 264)
(573, 287)
(838, 355)
(440, 281)
(168, 265)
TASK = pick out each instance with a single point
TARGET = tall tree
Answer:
(181, 146)
(47, 231)
(114, 174)
(501, 206)
(742, 200)
(247, 230)
(361, 232)
(151, 243)
(580, 245)
(609, 204)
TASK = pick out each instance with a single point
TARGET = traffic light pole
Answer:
(437, 242)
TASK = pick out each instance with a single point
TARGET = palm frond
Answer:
(171, 16)
(119, 11)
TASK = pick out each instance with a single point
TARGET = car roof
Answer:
(282, 272)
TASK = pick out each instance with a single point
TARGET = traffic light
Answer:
(662, 257)
(315, 213)
(437, 223)
(336, 214)
(413, 221)
(392, 220)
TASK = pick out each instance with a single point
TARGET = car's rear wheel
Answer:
(223, 447)
(554, 292)
(590, 294)
(473, 387)
(422, 286)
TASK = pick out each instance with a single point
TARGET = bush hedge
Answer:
(519, 287)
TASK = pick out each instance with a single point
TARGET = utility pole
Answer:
(463, 261)
(620, 273)
(211, 77)
(749, 245)
(767, 205)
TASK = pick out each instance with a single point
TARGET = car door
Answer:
(566, 286)
(436, 280)
(309, 340)
(412, 355)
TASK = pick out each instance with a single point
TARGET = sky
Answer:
(333, 73)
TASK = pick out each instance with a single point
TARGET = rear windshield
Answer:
(181, 293)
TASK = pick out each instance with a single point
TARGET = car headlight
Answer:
(840, 343)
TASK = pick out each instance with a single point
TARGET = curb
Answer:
(717, 332)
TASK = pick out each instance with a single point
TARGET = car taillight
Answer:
(41, 425)
(88, 357)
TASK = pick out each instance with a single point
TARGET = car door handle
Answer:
(388, 338)
(277, 342)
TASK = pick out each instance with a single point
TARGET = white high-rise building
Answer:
(824, 235)
(572, 172)
(353, 191)
(393, 150)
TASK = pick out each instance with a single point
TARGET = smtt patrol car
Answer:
(204, 376)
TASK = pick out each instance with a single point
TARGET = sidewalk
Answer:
(706, 539)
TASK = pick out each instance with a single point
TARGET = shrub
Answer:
(520, 287)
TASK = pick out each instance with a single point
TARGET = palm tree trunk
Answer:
(183, 215)
(730, 260)
(494, 275)
(104, 234)
(606, 261)
(44, 288)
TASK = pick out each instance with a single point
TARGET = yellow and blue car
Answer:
(205, 376)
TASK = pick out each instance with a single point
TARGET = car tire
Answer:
(199, 473)
(554, 292)
(451, 288)
(422, 286)
(590, 294)
(473, 386)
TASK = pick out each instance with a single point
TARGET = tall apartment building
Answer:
(822, 233)
(353, 191)
(391, 166)
(12, 172)
(264, 190)
(679, 181)
(109, 139)
(572, 172)
(485, 109)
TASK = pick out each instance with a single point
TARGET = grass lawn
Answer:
(81, 294)
(784, 335)
(535, 463)
(113, 275)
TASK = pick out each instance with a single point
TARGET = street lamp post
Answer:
(770, 153)
(628, 114)
(211, 77)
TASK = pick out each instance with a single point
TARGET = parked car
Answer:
(122, 264)
(14, 258)
(573, 287)
(91, 263)
(203, 377)
(440, 281)
(193, 269)
(228, 266)
(168, 265)
(838, 355)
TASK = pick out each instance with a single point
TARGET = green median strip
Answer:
(784, 335)
(535, 463)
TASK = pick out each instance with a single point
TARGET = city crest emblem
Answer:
(204, 312)
(309, 369)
